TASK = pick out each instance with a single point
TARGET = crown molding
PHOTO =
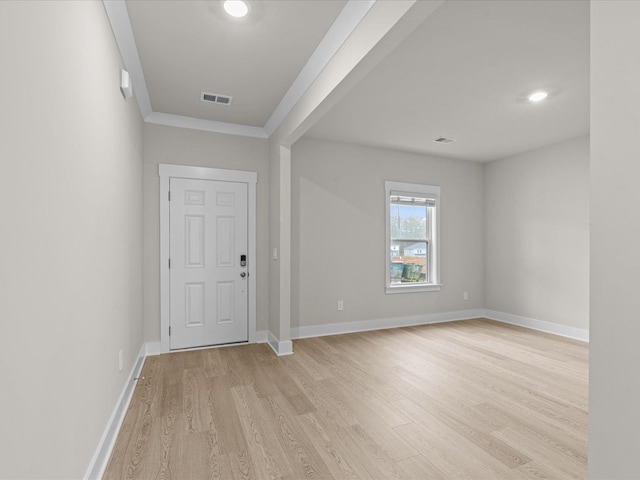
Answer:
(206, 125)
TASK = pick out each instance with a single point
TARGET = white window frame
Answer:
(416, 190)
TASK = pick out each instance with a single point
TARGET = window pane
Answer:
(409, 261)
(408, 221)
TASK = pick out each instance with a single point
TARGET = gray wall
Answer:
(537, 234)
(182, 146)
(338, 208)
(71, 256)
(72, 210)
(274, 239)
(614, 385)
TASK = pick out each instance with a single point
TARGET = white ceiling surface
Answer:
(187, 47)
(466, 74)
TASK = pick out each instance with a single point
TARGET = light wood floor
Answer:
(463, 400)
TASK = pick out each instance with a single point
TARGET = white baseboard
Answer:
(383, 323)
(102, 454)
(155, 348)
(281, 348)
(540, 325)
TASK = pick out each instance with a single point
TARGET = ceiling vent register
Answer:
(215, 98)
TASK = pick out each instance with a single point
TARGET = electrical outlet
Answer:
(340, 305)
(120, 360)
(465, 296)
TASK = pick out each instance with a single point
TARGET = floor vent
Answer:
(215, 98)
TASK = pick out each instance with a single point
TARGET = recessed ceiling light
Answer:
(537, 96)
(236, 8)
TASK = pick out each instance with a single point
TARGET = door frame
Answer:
(168, 171)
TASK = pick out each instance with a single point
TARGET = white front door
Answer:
(208, 258)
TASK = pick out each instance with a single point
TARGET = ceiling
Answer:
(189, 47)
(464, 73)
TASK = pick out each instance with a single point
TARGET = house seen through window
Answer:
(412, 237)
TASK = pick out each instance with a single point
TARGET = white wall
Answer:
(614, 386)
(181, 146)
(537, 234)
(338, 233)
(71, 235)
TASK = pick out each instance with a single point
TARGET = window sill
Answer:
(399, 288)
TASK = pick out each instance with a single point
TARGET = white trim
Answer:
(102, 454)
(206, 173)
(166, 172)
(155, 348)
(348, 20)
(280, 348)
(408, 288)
(205, 125)
(121, 26)
(414, 189)
(540, 325)
(165, 290)
(383, 323)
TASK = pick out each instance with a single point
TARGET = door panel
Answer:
(194, 303)
(194, 243)
(208, 233)
(225, 241)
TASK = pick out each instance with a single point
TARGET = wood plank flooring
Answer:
(463, 400)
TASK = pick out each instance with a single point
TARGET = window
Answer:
(412, 251)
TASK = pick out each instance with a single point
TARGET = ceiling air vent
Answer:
(444, 140)
(215, 98)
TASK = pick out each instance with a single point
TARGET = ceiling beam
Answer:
(348, 20)
(383, 28)
(121, 26)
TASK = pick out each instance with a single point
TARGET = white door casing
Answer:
(208, 283)
(209, 222)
